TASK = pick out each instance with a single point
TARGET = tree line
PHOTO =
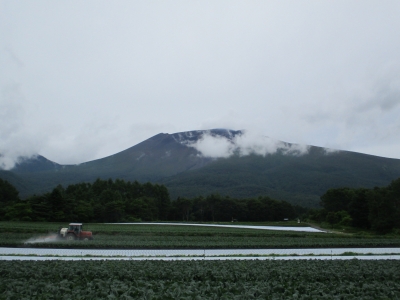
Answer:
(124, 201)
(377, 209)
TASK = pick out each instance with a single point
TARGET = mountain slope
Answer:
(158, 157)
(297, 179)
(35, 164)
(172, 159)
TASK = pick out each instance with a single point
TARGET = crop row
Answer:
(103, 241)
(310, 279)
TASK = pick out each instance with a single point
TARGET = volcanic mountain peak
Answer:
(35, 163)
(190, 137)
(213, 143)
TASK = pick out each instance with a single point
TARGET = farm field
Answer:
(150, 261)
(144, 227)
(171, 254)
(233, 279)
(114, 236)
(251, 226)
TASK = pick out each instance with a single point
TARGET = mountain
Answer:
(160, 156)
(289, 172)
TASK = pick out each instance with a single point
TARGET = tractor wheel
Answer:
(70, 237)
(85, 239)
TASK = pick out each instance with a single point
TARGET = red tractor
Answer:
(75, 232)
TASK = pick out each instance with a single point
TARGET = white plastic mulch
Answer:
(285, 228)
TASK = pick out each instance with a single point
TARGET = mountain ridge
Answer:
(290, 172)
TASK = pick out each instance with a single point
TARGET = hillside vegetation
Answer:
(122, 201)
(300, 180)
(377, 208)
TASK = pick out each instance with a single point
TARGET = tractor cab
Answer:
(75, 227)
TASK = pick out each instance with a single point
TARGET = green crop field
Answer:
(292, 279)
(197, 242)
(44, 227)
(15, 234)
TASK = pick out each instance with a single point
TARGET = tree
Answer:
(337, 199)
(139, 209)
(8, 196)
(113, 205)
(199, 208)
(57, 204)
(382, 210)
(256, 210)
(212, 201)
(394, 188)
(359, 210)
(20, 211)
(181, 208)
(41, 208)
(163, 201)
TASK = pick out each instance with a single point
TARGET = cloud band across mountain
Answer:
(215, 145)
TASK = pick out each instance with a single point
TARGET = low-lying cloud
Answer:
(16, 138)
(246, 143)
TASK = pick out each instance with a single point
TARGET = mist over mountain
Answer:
(225, 143)
(234, 163)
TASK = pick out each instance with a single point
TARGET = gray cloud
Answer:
(384, 93)
(364, 120)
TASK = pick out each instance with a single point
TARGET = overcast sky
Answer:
(81, 80)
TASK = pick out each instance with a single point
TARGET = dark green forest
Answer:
(124, 201)
(377, 209)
